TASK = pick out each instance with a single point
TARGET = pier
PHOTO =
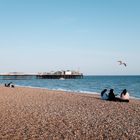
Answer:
(60, 75)
(51, 75)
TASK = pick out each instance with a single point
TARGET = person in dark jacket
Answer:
(8, 85)
(111, 95)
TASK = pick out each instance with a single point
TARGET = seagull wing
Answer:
(120, 62)
(124, 64)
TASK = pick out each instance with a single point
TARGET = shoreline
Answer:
(70, 91)
(34, 113)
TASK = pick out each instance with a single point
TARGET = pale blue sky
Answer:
(89, 35)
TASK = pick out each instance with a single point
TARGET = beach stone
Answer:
(40, 114)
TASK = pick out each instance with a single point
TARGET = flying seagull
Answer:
(122, 63)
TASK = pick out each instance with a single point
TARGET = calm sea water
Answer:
(88, 84)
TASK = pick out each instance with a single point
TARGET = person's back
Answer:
(104, 96)
(124, 95)
(8, 85)
(111, 95)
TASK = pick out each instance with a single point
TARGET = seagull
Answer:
(122, 63)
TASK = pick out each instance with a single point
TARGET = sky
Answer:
(85, 35)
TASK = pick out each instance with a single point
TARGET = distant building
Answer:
(68, 72)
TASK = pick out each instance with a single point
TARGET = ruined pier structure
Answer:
(68, 74)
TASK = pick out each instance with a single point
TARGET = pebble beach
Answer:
(41, 114)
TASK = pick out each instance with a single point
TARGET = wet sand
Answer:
(41, 114)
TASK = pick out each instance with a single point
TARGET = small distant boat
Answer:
(61, 78)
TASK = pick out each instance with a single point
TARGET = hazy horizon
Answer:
(85, 35)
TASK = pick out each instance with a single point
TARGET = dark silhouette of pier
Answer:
(52, 75)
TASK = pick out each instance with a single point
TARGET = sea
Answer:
(88, 84)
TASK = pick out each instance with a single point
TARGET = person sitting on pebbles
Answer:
(111, 95)
(10, 85)
(104, 95)
(124, 96)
